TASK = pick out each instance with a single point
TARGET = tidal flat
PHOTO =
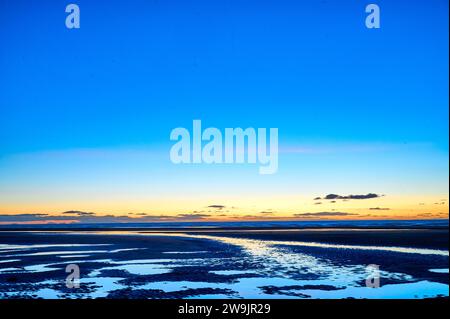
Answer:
(221, 262)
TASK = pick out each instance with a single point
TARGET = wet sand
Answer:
(225, 263)
(420, 238)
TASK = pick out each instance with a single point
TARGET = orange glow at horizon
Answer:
(233, 209)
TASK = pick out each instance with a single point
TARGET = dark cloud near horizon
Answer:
(217, 206)
(335, 196)
(193, 216)
(323, 214)
(379, 208)
(256, 217)
(33, 217)
(78, 213)
(88, 217)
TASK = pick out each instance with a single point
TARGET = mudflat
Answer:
(225, 263)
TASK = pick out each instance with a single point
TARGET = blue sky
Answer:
(371, 106)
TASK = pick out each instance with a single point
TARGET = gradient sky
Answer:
(85, 115)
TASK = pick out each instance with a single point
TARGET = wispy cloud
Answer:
(341, 148)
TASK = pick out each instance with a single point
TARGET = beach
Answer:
(226, 262)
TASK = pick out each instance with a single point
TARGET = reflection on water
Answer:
(137, 269)
(229, 272)
(247, 243)
(67, 252)
(8, 261)
(265, 269)
(440, 270)
(186, 252)
(5, 247)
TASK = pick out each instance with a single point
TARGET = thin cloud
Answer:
(87, 217)
(332, 149)
(323, 214)
(336, 196)
(33, 218)
(192, 216)
(217, 206)
(78, 213)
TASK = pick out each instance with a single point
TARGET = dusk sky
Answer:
(86, 114)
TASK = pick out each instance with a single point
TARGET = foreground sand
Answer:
(225, 263)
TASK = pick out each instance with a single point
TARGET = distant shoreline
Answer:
(230, 225)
